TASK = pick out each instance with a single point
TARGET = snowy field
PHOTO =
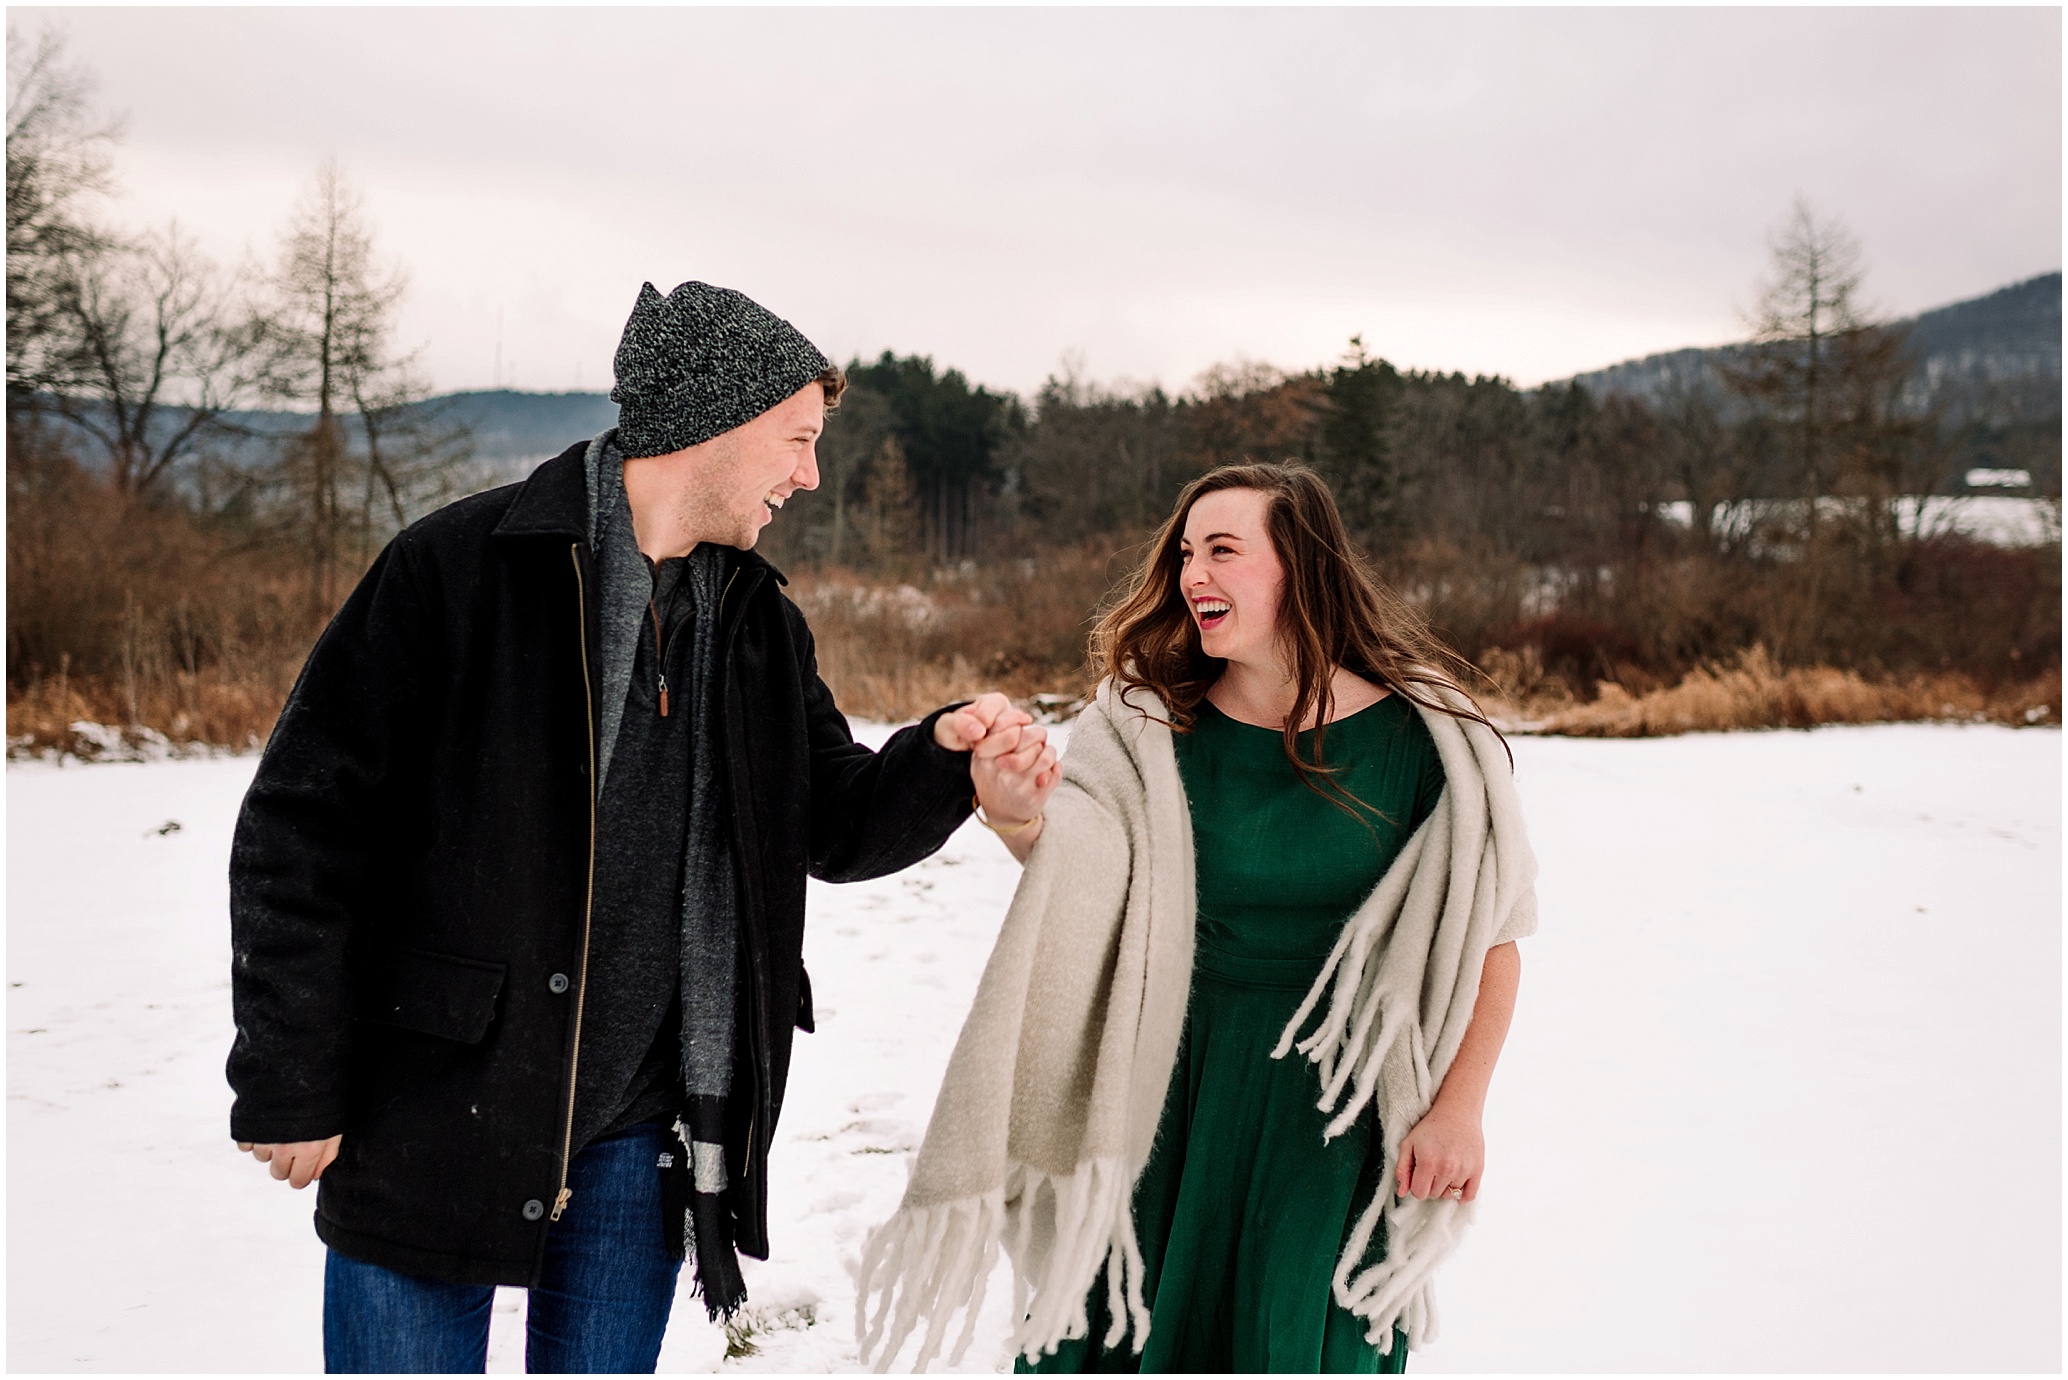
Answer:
(1783, 1093)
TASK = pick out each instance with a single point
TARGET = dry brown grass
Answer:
(184, 709)
(1750, 692)
(136, 612)
(893, 650)
(890, 651)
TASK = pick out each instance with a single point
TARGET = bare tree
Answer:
(332, 318)
(1811, 335)
(416, 455)
(160, 346)
(1700, 452)
(1886, 442)
(57, 164)
(1808, 304)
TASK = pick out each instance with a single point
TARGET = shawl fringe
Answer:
(1373, 1027)
(932, 1262)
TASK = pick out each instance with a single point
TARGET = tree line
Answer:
(1772, 500)
(174, 546)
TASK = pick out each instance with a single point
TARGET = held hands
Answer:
(1442, 1157)
(1012, 765)
(300, 1162)
(962, 729)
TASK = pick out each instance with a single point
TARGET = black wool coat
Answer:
(410, 878)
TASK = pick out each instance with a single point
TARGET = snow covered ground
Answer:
(1783, 1093)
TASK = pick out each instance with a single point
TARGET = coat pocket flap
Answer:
(437, 994)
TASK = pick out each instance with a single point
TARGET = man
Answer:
(517, 894)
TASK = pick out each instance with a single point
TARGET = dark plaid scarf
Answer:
(709, 969)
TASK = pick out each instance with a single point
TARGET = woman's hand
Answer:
(1445, 1152)
(1015, 770)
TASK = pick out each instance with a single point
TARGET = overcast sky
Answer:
(1147, 191)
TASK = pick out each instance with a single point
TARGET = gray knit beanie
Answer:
(701, 361)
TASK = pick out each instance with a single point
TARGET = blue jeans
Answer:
(601, 1305)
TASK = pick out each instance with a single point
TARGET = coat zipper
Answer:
(660, 653)
(660, 641)
(581, 990)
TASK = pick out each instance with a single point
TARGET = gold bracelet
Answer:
(1024, 825)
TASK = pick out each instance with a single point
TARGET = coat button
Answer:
(557, 983)
(533, 1209)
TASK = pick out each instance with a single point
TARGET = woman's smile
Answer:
(1226, 556)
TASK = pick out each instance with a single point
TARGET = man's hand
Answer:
(966, 727)
(300, 1162)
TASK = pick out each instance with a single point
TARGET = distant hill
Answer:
(1993, 365)
(2013, 333)
(510, 426)
(512, 431)
(1997, 356)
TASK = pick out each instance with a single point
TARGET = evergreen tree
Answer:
(951, 434)
(1357, 451)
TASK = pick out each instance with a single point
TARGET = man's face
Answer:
(750, 471)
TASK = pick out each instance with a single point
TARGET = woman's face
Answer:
(1232, 577)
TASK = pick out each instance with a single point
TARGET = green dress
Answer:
(1243, 1211)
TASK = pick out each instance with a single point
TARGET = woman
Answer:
(1119, 1107)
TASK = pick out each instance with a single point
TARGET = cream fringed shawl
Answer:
(1050, 1105)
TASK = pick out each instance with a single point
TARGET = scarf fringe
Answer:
(1400, 1290)
(1343, 1045)
(934, 1261)
(1362, 1028)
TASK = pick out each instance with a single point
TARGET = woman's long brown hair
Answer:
(1333, 612)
